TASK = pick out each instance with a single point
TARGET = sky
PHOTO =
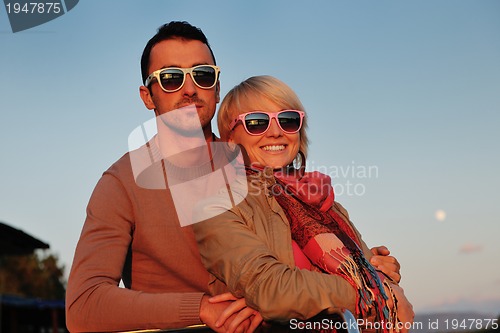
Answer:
(402, 99)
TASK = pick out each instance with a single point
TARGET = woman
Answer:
(248, 247)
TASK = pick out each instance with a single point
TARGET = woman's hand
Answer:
(385, 263)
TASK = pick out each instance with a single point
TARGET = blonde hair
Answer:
(245, 97)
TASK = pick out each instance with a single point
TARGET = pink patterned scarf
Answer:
(329, 241)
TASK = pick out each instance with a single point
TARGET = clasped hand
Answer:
(225, 313)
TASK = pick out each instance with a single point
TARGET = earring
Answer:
(298, 165)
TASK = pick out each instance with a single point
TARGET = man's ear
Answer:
(217, 92)
(146, 98)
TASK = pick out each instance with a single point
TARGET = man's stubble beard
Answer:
(186, 120)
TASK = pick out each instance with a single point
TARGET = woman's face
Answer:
(273, 148)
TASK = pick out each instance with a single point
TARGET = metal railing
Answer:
(346, 317)
(188, 329)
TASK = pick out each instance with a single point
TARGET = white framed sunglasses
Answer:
(172, 79)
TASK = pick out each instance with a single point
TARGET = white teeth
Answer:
(274, 148)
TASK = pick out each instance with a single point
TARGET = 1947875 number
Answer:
(471, 324)
(34, 8)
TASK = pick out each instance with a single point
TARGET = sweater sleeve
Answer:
(236, 255)
(94, 300)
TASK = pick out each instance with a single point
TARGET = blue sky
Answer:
(407, 89)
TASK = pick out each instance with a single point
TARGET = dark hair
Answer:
(174, 29)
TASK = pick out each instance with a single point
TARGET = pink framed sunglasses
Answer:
(258, 122)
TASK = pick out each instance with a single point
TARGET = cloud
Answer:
(470, 248)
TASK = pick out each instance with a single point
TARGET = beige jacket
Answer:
(248, 247)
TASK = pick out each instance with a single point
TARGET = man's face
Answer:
(184, 54)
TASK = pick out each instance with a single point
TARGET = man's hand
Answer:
(382, 261)
(405, 309)
(226, 314)
(239, 310)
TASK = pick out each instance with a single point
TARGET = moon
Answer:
(440, 215)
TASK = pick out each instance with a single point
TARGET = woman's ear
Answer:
(147, 98)
(230, 139)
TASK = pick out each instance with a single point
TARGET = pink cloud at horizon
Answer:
(470, 248)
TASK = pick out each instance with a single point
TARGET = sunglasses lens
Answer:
(257, 123)
(289, 121)
(205, 76)
(171, 79)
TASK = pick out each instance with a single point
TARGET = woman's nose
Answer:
(274, 129)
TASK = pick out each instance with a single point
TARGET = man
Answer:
(132, 233)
